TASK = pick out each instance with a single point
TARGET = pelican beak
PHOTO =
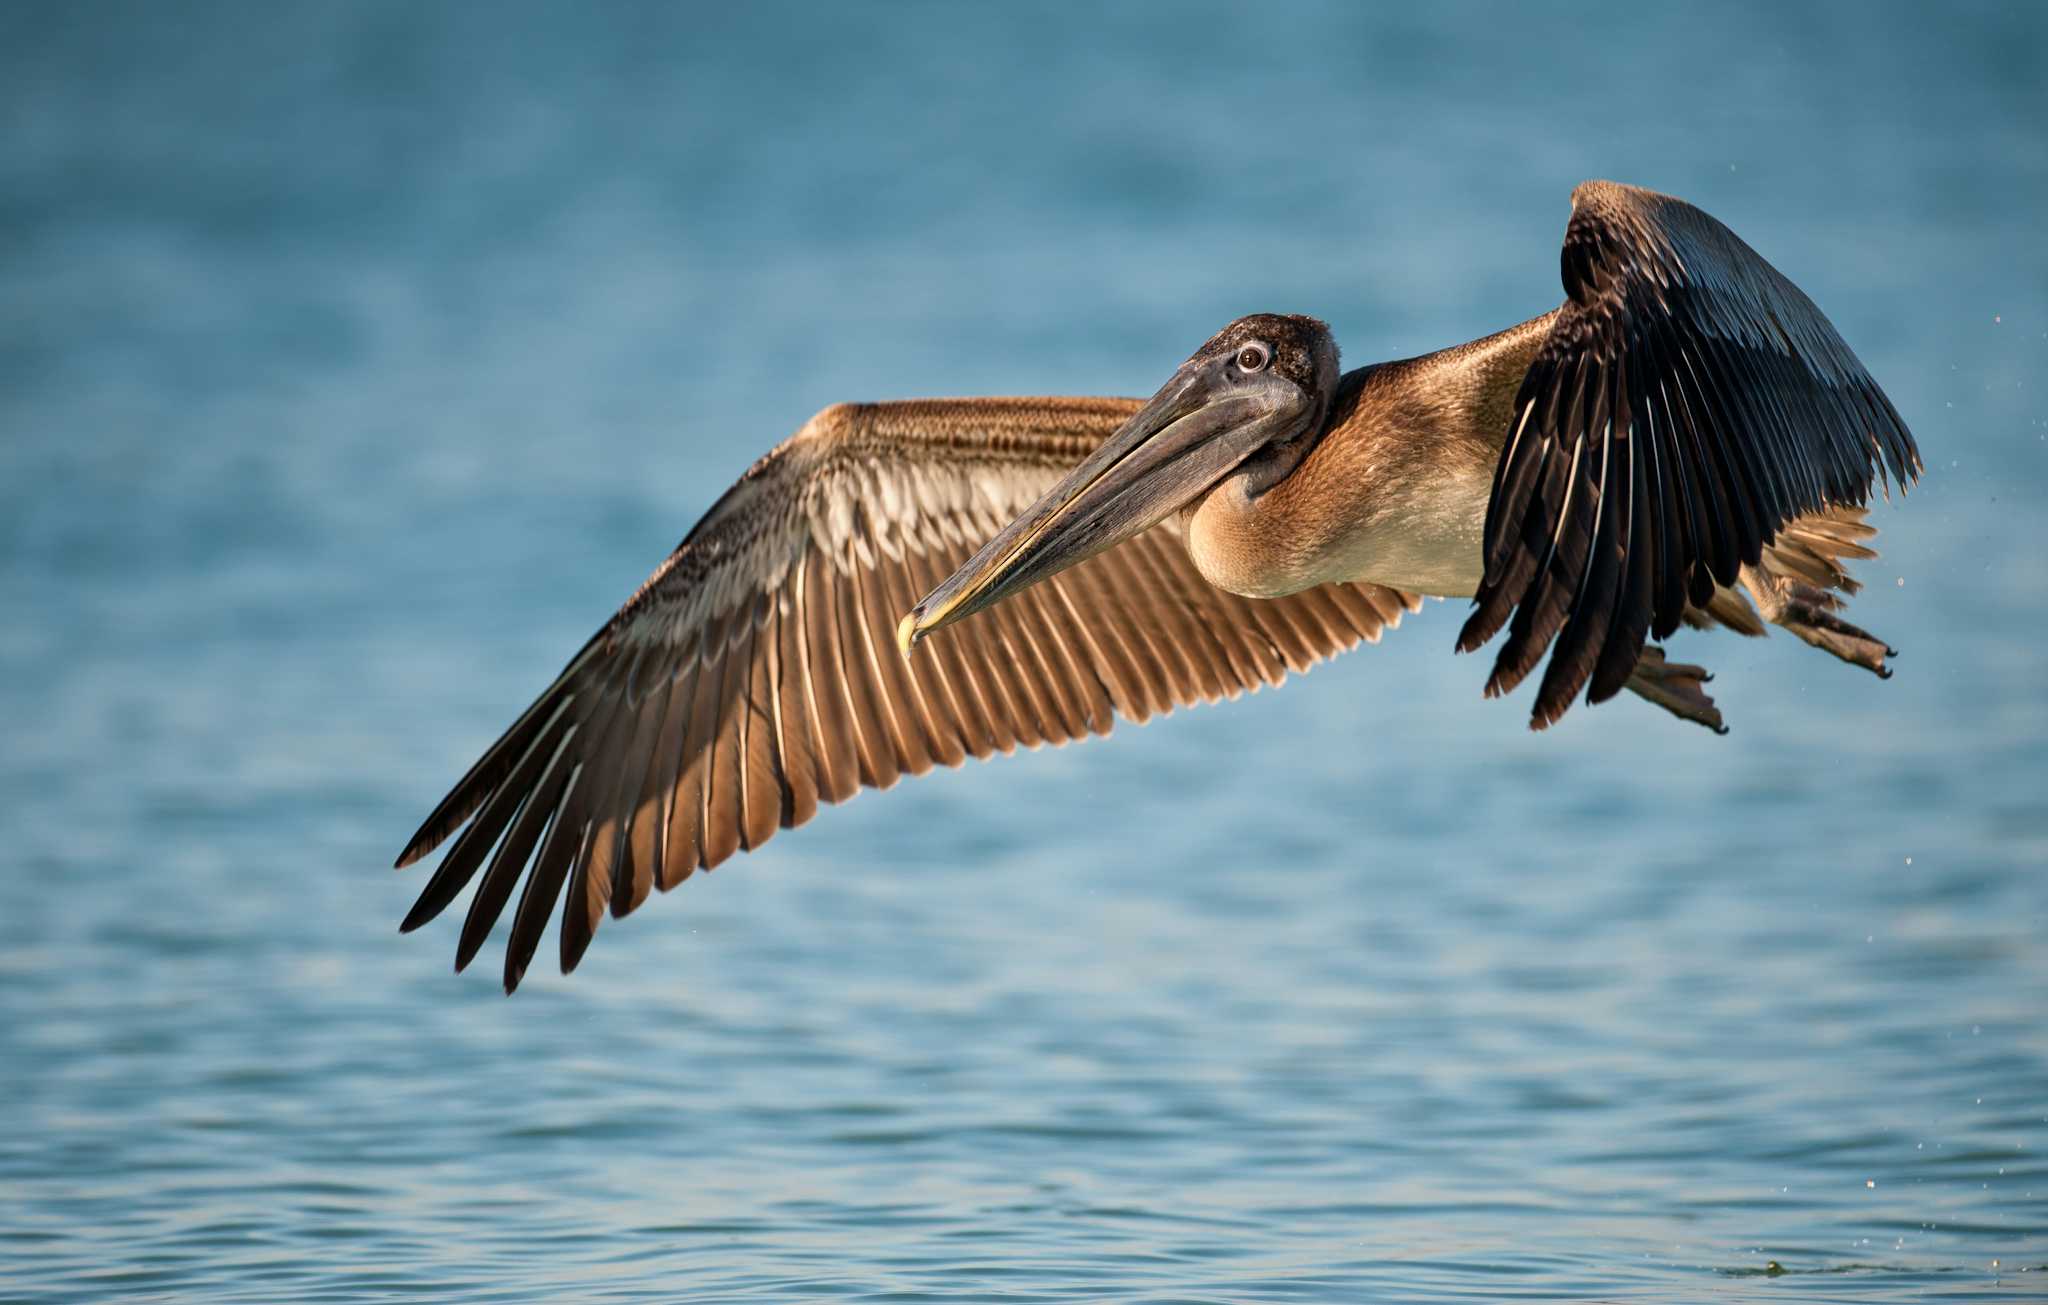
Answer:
(1199, 427)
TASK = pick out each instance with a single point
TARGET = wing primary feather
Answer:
(683, 778)
(1544, 606)
(1044, 714)
(1708, 510)
(1536, 527)
(1751, 385)
(566, 836)
(793, 712)
(567, 859)
(1165, 596)
(982, 717)
(1327, 627)
(1699, 513)
(803, 637)
(1059, 712)
(925, 689)
(1296, 644)
(1735, 493)
(839, 748)
(477, 784)
(634, 878)
(1094, 583)
(1748, 471)
(1108, 659)
(1198, 639)
(718, 834)
(1591, 606)
(1356, 602)
(592, 875)
(1787, 389)
(1802, 426)
(1072, 662)
(1518, 470)
(979, 659)
(1664, 498)
(763, 787)
(1902, 455)
(1002, 661)
(687, 835)
(513, 853)
(460, 865)
(877, 756)
(1129, 595)
(885, 670)
(1636, 603)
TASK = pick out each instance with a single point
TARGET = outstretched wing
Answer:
(755, 674)
(1688, 402)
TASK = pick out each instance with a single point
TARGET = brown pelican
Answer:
(1686, 427)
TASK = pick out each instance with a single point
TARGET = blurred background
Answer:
(356, 360)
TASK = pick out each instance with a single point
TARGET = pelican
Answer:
(1686, 440)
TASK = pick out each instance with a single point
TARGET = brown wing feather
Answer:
(755, 675)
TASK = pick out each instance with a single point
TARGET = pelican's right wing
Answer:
(755, 674)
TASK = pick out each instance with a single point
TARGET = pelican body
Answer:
(1685, 441)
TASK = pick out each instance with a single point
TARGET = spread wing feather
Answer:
(754, 676)
(1688, 403)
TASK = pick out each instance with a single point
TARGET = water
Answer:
(354, 361)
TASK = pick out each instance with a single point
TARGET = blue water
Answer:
(356, 360)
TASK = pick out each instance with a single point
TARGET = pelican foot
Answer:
(1676, 687)
(1809, 613)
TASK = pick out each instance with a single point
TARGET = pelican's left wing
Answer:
(755, 674)
(1688, 403)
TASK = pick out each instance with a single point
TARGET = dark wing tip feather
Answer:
(484, 777)
(1722, 397)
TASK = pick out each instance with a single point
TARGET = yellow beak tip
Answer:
(907, 633)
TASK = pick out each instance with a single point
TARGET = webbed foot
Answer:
(1676, 687)
(1809, 613)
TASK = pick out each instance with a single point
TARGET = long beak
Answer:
(1187, 438)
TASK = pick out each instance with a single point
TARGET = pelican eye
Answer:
(1254, 357)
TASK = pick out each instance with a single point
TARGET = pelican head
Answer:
(1256, 395)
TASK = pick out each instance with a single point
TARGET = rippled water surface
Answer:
(356, 360)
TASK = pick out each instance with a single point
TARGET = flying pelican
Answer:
(1685, 427)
